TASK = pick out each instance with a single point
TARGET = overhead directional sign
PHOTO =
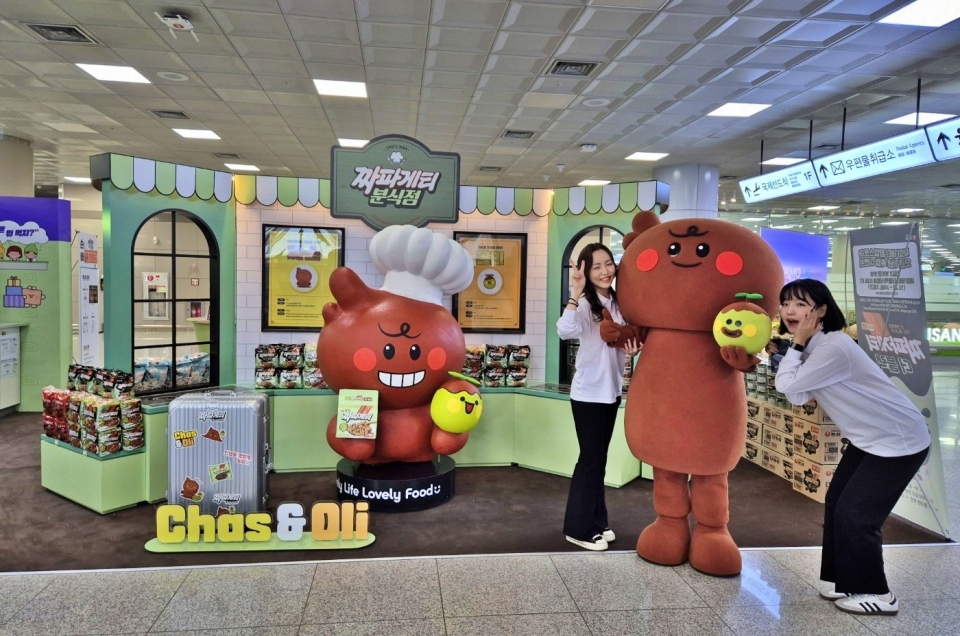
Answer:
(945, 139)
(908, 150)
(792, 180)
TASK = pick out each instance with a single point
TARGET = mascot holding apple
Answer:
(401, 341)
(698, 293)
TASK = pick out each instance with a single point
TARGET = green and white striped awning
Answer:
(147, 175)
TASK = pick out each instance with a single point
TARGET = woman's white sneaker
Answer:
(608, 535)
(868, 604)
(596, 543)
(831, 595)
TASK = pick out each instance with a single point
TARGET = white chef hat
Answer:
(419, 263)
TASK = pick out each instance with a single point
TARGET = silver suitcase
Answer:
(218, 451)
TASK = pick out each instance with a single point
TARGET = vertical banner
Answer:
(892, 328)
(89, 299)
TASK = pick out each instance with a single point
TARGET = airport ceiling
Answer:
(459, 74)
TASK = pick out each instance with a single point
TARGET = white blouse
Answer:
(599, 375)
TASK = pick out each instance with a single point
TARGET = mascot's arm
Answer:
(617, 335)
(739, 359)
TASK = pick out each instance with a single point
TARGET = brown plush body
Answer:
(686, 407)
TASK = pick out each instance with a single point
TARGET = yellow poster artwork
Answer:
(297, 263)
(496, 300)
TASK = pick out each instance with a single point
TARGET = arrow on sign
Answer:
(756, 188)
(942, 139)
(823, 170)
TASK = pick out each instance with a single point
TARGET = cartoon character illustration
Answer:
(489, 281)
(32, 297)
(14, 253)
(743, 324)
(811, 481)
(303, 277)
(456, 406)
(810, 445)
(31, 251)
(686, 407)
(213, 435)
(753, 410)
(400, 341)
(190, 489)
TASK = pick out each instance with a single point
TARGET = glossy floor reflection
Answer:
(565, 594)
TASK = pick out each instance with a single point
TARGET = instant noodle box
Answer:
(812, 479)
(751, 452)
(777, 441)
(812, 412)
(821, 443)
(753, 431)
(776, 463)
(776, 418)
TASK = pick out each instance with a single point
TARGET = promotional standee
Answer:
(686, 408)
(401, 342)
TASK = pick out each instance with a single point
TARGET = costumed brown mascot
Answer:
(401, 341)
(686, 407)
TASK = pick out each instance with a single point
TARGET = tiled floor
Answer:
(570, 594)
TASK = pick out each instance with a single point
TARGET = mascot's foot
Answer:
(446, 443)
(666, 541)
(358, 450)
(713, 551)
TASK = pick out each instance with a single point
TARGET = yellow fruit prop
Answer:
(456, 406)
(743, 324)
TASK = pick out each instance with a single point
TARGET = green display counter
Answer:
(530, 427)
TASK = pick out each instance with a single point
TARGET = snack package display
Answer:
(151, 374)
(495, 356)
(85, 379)
(497, 365)
(130, 413)
(310, 355)
(72, 372)
(518, 356)
(291, 356)
(291, 379)
(313, 379)
(475, 355)
(123, 386)
(493, 377)
(193, 369)
(267, 356)
(267, 379)
(516, 376)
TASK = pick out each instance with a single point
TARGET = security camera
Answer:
(560, 167)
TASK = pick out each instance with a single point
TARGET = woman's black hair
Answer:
(815, 292)
(589, 291)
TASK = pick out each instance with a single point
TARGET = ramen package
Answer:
(291, 356)
(123, 386)
(313, 379)
(85, 379)
(493, 377)
(357, 414)
(310, 355)
(518, 356)
(515, 376)
(267, 356)
(496, 356)
(291, 379)
(267, 379)
(72, 372)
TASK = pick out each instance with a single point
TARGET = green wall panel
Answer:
(204, 184)
(561, 201)
(166, 177)
(486, 199)
(594, 198)
(523, 201)
(325, 193)
(121, 171)
(288, 190)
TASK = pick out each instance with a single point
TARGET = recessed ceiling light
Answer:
(78, 179)
(925, 119)
(895, 223)
(593, 182)
(823, 208)
(781, 161)
(170, 76)
(734, 109)
(106, 73)
(647, 156)
(340, 89)
(193, 133)
(755, 218)
(242, 167)
(595, 102)
(353, 143)
(927, 13)
(909, 210)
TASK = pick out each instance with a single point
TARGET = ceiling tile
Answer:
(268, 48)
(404, 76)
(445, 79)
(406, 12)
(748, 31)
(287, 85)
(835, 60)
(455, 61)
(179, 92)
(283, 98)
(789, 9)
(611, 23)
(332, 9)
(399, 58)
(324, 30)
(682, 74)
(101, 12)
(679, 27)
(516, 65)
(653, 51)
(526, 44)
(342, 53)
(156, 60)
(777, 58)
(587, 48)
(35, 11)
(715, 55)
(744, 77)
(339, 72)
(490, 110)
(393, 91)
(815, 34)
(252, 23)
(663, 91)
(404, 36)
(454, 39)
(468, 13)
(629, 71)
(533, 17)
(270, 6)
(610, 88)
(881, 38)
(276, 68)
(209, 44)
(504, 82)
(447, 95)
(859, 10)
(215, 63)
(233, 96)
(230, 80)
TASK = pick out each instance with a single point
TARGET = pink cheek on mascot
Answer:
(686, 406)
(398, 340)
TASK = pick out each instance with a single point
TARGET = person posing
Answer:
(888, 439)
(595, 392)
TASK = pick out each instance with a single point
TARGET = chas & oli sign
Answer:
(394, 180)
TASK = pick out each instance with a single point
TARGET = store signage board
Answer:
(89, 299)
(394, 180)
(792, 180)
(908, 150)
(945, 139)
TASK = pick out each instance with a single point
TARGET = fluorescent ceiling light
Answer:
(106, 73)
(192, 133)
(823, 208)
(755, 218)
(78, 179)
(647, 156)
(895, 223)
(845, 229)
(340, 89)
(909, 210)
(925, 119)
(925, 13)
(353, 143)
(734, 109)
(788, 226)
(954, 225)
(829, 220)
(781, 161)
(593, 182)
(242, 166)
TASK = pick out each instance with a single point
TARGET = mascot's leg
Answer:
(356, 449)
(712, 550)
(666, 541)
(447, 443)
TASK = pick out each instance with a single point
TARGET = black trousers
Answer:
(586, 506)
(864, 490)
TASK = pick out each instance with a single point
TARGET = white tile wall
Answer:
(249, 237)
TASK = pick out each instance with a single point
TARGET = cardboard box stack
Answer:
(798, 443)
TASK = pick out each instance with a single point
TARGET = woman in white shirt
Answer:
(888, 436)
(595, 392)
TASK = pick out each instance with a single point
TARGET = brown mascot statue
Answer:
(686, 406)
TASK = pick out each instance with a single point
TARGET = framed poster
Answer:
(496, 300)
(297, 263)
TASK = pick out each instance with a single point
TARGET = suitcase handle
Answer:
(220, 392)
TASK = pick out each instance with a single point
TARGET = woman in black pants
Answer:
(888, 437)
(594, 394)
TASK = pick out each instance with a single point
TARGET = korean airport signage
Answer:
(394, 180)
(937, 142)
